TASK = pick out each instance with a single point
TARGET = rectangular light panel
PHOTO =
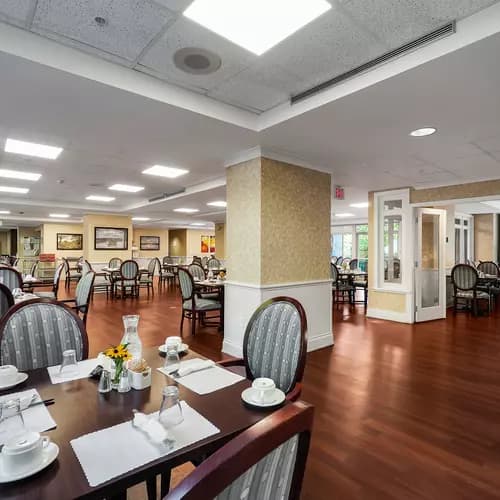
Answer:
(32, 149)
(161, 171)
(14, 174)
(126, 188)
(10, 189)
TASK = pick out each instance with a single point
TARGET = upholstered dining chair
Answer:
(197, 271)
(165, 273)
(11, 278)
(489, 267)
(55, 286)
(72, 273)
(265, 462)
(204, 261)
(275, 345)
(35, 333)
(353, 264)
(333, 260)
(81, 302)
(465, 287)
(34, 268)
(115, 263)
(339, 260)
(196, 260)
(341, 290)
(194, 307)
(128, 279)
(6, 299)
(213, 264)
(146, 279)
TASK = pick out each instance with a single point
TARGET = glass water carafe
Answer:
(131, 336)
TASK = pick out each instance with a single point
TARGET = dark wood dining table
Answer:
(80, 409)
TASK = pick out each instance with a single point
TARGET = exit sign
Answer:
(339, 193)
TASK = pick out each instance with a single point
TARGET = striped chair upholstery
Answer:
(6, 299)
(115, 263)
(35, 333)
(213, 263)
(11, 278)
(274, 342)
(86, 267)
(83, 291)
(489, 267)
(129, 277)
(204, 261)
(55, 287)
(353, 264)
(464, 277)
(197, 271)
(186, 284)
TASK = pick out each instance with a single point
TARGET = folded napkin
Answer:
(151, 427)
(196, 366)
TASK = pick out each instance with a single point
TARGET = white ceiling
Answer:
(144, 35)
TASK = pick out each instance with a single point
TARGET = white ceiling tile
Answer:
(16, 12)
(131, 25)
(186, 33)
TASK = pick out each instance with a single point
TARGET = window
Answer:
(337, 244)
(463, 239)
(350, 242)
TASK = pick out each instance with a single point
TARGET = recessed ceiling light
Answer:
(186, 210)
(141, 218)
(161, 171)
(32, 149)
(364, 204)
(5, 212)
(10, 189)
(59, 216)
(344, 215)
(217, 204)
(236, 20)
(14, 174)
(125, 187)
(422, 132)
(93, 197)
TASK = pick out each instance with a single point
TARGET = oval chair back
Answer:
(152, 267)
(57, 278)
(334, 273)
(11, 278)
(464, 277)
(186, 283)
(353, 264)
(6, 299)
(86, 267)
(275, 343)
(196, 260)
(339, 260)
(204, 261)
(213, 263)
(489, 267)
(115, 263)
(333, 260)
(34, 268)
(35, 333)
(197, 271)
(129, 270)
(83, 293)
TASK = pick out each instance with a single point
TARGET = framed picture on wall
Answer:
(69, 241)
(212, 244)
(205, 244)
(111, 238)
(149, 243)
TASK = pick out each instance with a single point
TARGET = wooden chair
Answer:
(465, 288)
(146, 279)
(266, 462)
(197, 271)
(11, 278)
(213, 264)
(166, 273)
(6, 299)
(275, 345)
(341, 290)
(55, 286)
(35, 333)
(82, 299)
(72, 273)
(129, 276)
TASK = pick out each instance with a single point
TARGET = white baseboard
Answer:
(321, 341)
(389, 315)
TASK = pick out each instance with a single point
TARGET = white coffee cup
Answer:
(264, 389)
(8, 374)
(23, 452)
(170, 341)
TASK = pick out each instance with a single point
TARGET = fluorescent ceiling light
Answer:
(141, 218)
(492, 203)
(217, 204)
(186, 210)
(344, 215)
(14, 174)
(125, 187)
(161, 171)
(32, 149)
(93, 197)
(359, 205)
(256, 25)
(5, 212)
(9, 189)
(422, 132)
(59, 216)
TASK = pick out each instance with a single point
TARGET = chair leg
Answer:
(193, 323)
(182, 321)
(165, 483)
(151, 488)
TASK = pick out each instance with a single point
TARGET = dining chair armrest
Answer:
(294, 394)
(231, 362)
(65, 301)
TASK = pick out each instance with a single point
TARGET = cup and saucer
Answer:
(25, 455)
(181, 347)
(263, 394)
(10, 377)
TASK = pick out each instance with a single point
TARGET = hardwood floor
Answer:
(402, 411)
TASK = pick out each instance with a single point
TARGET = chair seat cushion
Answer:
(202, 305)
(210, 296)
(46, 295)
(145, 281)
(469, 294)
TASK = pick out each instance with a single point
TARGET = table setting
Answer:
(167, 412)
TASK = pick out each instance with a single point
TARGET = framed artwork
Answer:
(111, 238)
(212, 244)
(205, 244)
(69, 241)
(149, 243)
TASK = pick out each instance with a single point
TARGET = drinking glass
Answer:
(69, 365)
(172, 360)
(170, 410)
(11, 419)
(105, 382)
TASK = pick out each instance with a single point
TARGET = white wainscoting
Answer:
(242, 299)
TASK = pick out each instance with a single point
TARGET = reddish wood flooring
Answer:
(402, 412)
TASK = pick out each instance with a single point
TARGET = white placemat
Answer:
(206, 381)
(110, 452)
(84, 369)
(37, 418)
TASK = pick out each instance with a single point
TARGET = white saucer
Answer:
(21, 377)
(48, 456)
(182, 348)
(248, 396)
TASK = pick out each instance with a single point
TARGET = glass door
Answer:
(430, 275)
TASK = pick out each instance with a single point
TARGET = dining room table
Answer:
(79, 409)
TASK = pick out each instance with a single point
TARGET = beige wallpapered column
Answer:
(277, 243)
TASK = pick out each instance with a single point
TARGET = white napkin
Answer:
(84, 369)
(122, 448)
(151, 426)
(203, 381)
(36, 418)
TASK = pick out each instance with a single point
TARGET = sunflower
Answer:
(118, 352)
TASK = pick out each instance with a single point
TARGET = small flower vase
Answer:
(116, 373)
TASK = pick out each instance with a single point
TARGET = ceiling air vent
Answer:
(444, 31)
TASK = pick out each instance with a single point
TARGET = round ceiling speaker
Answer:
(197, 61)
